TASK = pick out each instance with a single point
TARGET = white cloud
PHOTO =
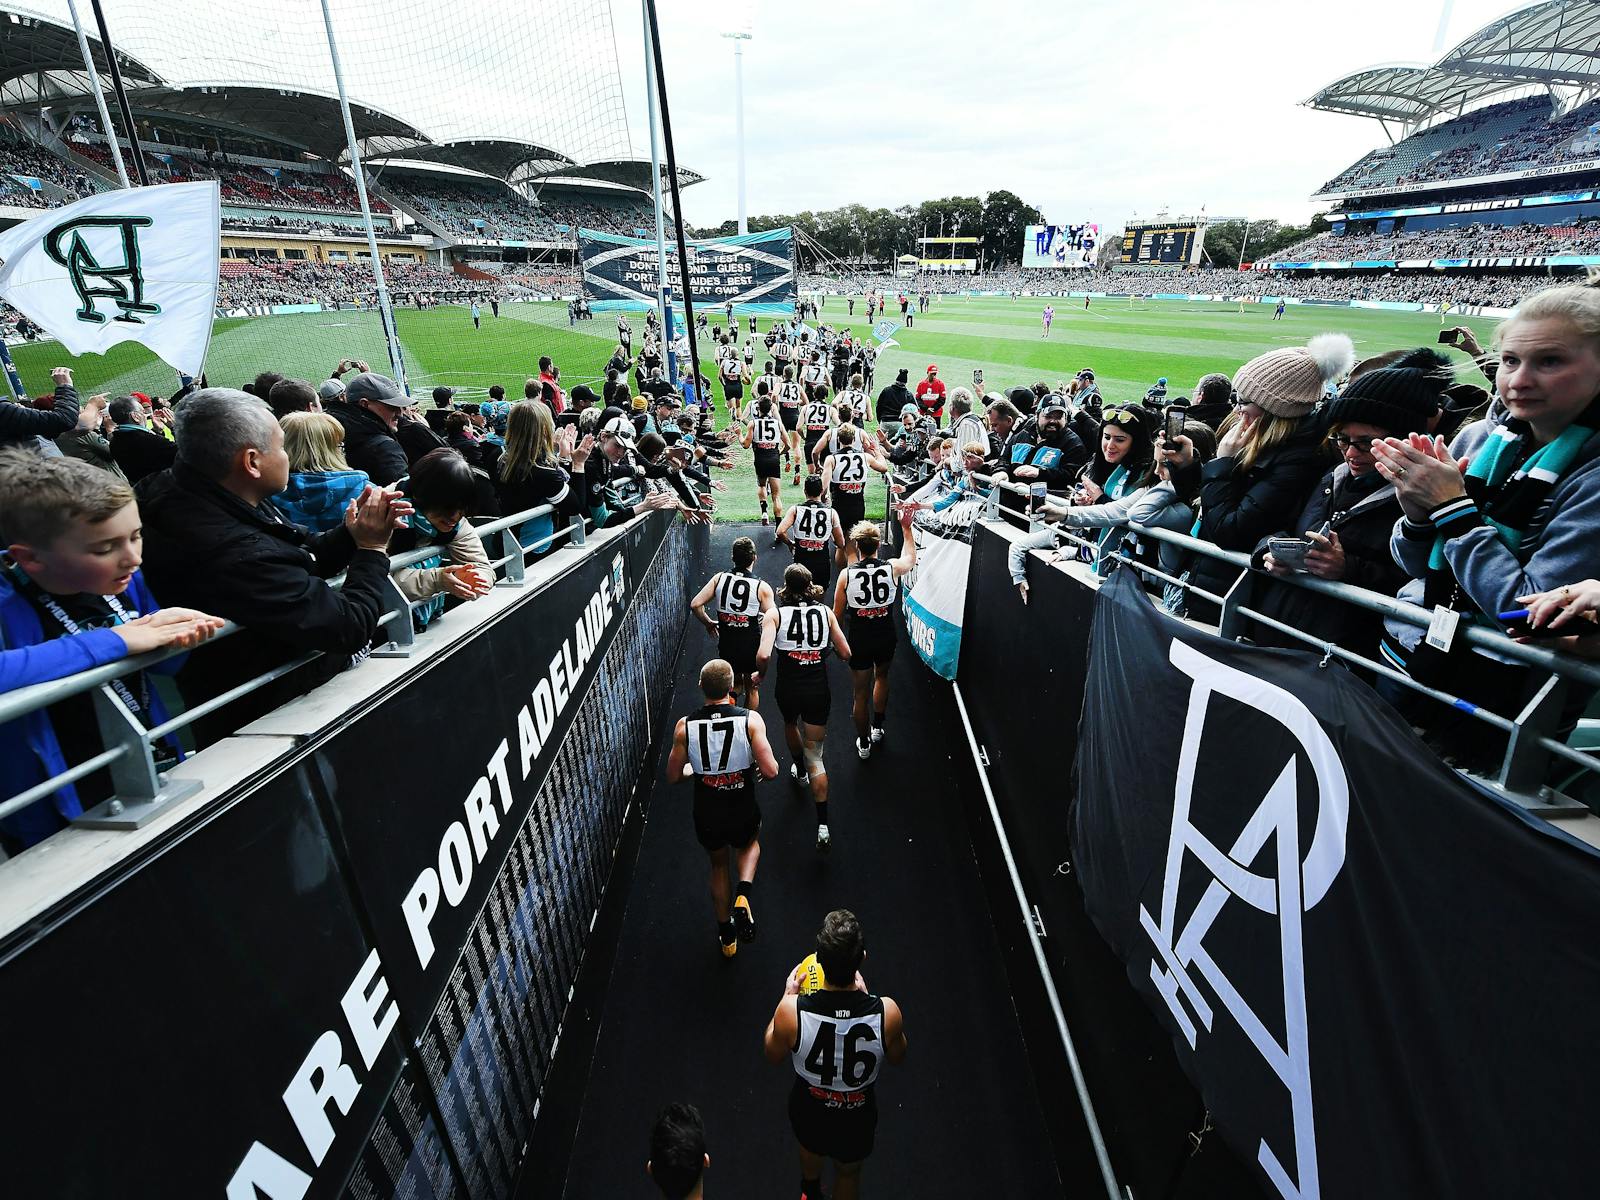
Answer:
(1092, 111)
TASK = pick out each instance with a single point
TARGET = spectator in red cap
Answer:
(930, 395)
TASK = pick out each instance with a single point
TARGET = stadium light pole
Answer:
(741, 33)
(655, 178)
(122, 96)
(99, 93)
(385, 309)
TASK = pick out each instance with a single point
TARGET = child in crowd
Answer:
(72, 598)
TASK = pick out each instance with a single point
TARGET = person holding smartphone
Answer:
(1344, 529)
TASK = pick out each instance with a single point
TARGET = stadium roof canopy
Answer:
(1554, 45)
(500, 157)
(309, 120)
(629, 172)
(34, 45)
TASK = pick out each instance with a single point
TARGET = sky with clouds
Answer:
(1093, 110)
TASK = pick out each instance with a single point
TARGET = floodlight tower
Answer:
(740, 32)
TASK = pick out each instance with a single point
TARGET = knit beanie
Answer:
(1290, 382)
(1398, 399)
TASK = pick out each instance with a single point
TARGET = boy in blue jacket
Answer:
(72, 598)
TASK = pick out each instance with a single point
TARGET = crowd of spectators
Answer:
(246, 282)
(496, 212)
(1465, 241)
(250, 500)
(20, 157)
(1500, 289)
(1312, 463)
(1512, 136)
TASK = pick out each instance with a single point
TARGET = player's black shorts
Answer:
(872, 643)
(768, 465)
(717, 826)
(790, 418)
(842, 1134)
(813, 436)
(807, 699)
(819, 563)
(738, 645)
(852, 509)
(733, 389)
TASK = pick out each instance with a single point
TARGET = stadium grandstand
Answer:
(454, 217)
(1490, 182)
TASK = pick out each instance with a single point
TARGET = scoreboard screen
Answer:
(1161, 243)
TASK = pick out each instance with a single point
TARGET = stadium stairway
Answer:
(673, 1020)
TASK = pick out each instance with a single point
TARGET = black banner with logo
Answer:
(1378, 975)
(248, 1014)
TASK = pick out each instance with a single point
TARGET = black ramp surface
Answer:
(959, 1117)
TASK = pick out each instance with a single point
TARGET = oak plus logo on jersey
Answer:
(120, 280)
(1234, 891)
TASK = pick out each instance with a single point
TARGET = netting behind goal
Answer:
(489, 133)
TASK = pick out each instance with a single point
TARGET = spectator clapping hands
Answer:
(374, 515)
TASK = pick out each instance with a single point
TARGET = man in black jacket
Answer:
(212, 534)
(21, 424)
(891, 401)
(370, 415)
(1044, 451)
(137, 449)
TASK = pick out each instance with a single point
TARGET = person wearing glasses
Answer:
(1344, 530)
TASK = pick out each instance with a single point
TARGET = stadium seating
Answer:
(498, 213)
(1512, 136)
(1472, 241)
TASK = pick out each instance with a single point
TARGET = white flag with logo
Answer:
(136, 265)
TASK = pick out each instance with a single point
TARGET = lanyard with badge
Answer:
(140, 706)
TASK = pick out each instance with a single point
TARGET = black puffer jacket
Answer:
(1239, 508)
(1362, 510)
(205, 548)
(891, 400)
(21, 423)
(369, 446)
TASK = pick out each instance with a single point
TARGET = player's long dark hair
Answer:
(797, 586)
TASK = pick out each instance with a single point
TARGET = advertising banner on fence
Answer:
(1316, 909)
(756, 272)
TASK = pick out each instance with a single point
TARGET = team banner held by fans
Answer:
(755, 272)
(136, 265)
(936, 591)
(1319, 912)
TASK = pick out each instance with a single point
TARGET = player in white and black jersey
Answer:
(844, 479)
(813, 374)
(816, 531)
(837, 1040)
(864, 599)
(750, 356)
(816, 420)
(731, 373)
(797, 632)
(783, 351)
(764, 436)
(791, 395)
(722, 747)
(856, 397)
(737, 600)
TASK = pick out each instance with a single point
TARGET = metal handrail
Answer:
(1524, 764)
(126, 738)
(1388, 606)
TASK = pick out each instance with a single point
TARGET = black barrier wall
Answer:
(349, 978)
(1022, 675)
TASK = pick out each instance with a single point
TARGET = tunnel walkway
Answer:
(959, 1118)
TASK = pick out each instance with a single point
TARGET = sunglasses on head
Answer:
(1119, 416)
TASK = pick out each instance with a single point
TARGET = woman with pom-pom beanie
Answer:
(1269, 455)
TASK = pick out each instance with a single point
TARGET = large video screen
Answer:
(1060, 246)
(1161, 243)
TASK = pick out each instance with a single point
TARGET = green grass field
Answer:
(1128, 347)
